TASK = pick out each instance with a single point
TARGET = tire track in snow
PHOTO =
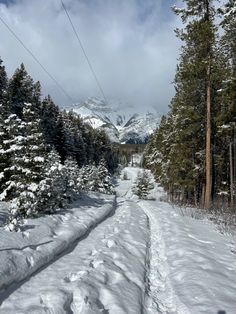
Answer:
(160, 293)
(104, 273)
(6, 292)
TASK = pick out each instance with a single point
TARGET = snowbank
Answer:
(44, 239)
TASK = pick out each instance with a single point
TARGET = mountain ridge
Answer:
(122, 123)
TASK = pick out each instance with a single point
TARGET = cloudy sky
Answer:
(130, 43)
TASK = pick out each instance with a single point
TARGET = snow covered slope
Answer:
(122, 123)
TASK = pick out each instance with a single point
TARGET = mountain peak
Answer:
(121, 122)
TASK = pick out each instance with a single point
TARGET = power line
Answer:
(36, 59)
(84, 52)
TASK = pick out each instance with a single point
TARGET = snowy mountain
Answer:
(122, 123)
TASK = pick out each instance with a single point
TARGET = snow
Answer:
(44, 238)
(122, 123)
(225, 126)
(145, 257)
(39, 159)
(195, 261)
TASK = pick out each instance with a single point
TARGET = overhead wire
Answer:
(37, 60)
(84, 52)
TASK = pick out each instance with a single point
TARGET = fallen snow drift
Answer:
(44, 238)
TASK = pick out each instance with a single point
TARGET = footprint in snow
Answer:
(110, 243)
(25, 234)
(93, 252)
(75, 276)
(30, 261)
(96, 263)
(115, 230)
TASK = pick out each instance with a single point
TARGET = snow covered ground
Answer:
(145, 258)
(43, 239)
(193, 266)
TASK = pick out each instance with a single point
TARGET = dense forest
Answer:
(193, 152)
(46, 155)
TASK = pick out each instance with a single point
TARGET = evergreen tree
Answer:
(53, 186)
(4, 113)
(5, 127)
(143, 185)
(226, 121)
(95, 178)
(85, 177)
(88, 135)
(103, 181)
(20, 90)
(10, 145)
(72, 174)
(35, 177)
(189, 151)
(49, 117)
(27, 164)
(200, 40)
(36, 99)
(3, 83)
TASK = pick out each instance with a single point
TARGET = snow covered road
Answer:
(104, 273)
(192, 265)
(145, 258)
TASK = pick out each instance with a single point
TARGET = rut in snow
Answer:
(161, 296)
(105, 272)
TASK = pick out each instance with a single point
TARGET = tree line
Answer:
(193, 151)
(45, 153)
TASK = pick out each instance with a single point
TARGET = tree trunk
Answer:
(208, 188)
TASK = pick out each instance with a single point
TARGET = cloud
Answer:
(131, 45)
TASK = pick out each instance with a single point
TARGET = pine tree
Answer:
(95, 178)
(143, 185)
(36, 99)
(183, 153)
(49, 117)
(10, 146)
(88, 135)
(53, 186)
(20, 90)
(200, 39)
(3, 83)
(27, 151)
(104, 182)
(4, 113)
(83, 178)
(227, 117)
(72, 174)
(4, 137)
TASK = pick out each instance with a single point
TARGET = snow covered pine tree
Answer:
(27, 151)
(95, 178)
(143, 185)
